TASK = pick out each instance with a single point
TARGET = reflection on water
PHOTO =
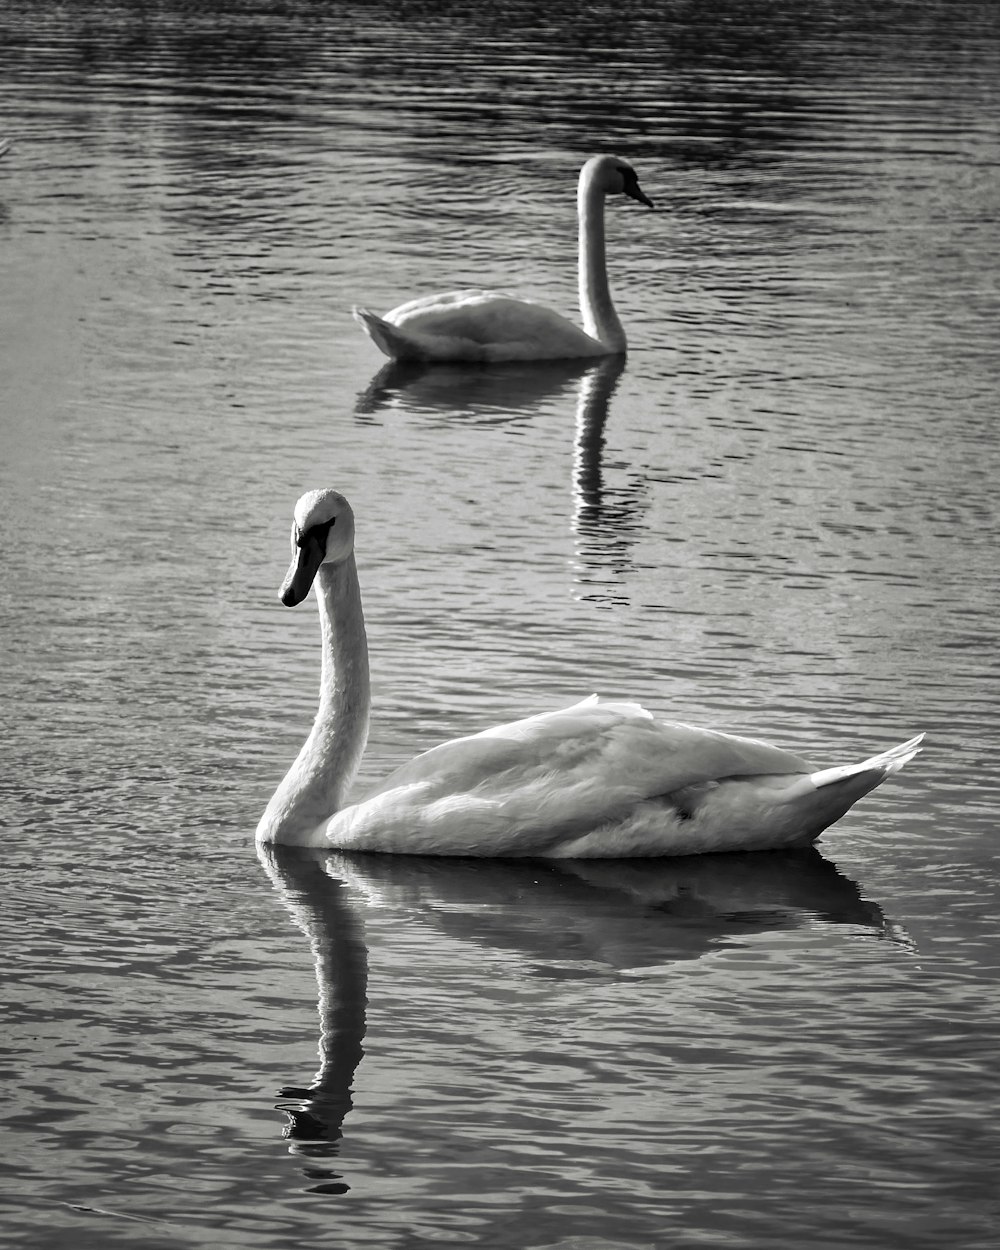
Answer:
(587, 918)
(606, 522)
(567, 920)
(334, 926)
(471, 393)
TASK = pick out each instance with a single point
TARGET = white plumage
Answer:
(494, 327)
(598, 779)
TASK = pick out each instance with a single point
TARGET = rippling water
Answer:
(778, 517)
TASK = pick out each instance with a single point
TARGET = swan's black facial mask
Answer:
(310, 551)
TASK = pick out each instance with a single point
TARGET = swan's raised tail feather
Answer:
(890, 761)
(385, 336)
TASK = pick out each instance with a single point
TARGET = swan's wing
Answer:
(475, 325)
(518, 787)
(484, 316)
(442, 303)
(495, 322)
(599, 734)
(522, 744)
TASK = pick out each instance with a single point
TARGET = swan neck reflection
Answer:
(596, 389)
(605, 523)
(334, 925)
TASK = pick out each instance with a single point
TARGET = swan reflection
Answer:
(469, 392)
(592, 917)
(605, 521)
(562, 919)
(334, 924)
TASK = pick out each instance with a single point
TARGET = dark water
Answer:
(779, 517)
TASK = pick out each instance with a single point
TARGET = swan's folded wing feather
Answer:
(590, 759)
(443, 302)
(489, 318)
(589, 718)
(465, 763)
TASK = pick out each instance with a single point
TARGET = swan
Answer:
(595, 780)
(491, 327)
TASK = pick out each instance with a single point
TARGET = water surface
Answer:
(777, 516)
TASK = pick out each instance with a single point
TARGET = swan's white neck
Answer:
(600, 320)
(316, 785)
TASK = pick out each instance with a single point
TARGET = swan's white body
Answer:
(595, 780)
(493, 327)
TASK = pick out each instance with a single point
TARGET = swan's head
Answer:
(322, 533)
(614, 177)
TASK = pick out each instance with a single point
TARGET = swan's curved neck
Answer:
(316, 785)
(600, 320)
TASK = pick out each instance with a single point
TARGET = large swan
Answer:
(490, 326)
(595, 780)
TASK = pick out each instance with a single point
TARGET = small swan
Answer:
(491, 327)
(595, 780)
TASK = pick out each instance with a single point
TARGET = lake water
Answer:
(779, 517)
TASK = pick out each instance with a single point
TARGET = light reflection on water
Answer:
(778, 517)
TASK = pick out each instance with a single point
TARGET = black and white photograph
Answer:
(500, 624)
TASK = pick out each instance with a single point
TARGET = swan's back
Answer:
(476, 325)
(528, 786)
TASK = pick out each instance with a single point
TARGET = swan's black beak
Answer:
(309, 555)
(635, 192)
